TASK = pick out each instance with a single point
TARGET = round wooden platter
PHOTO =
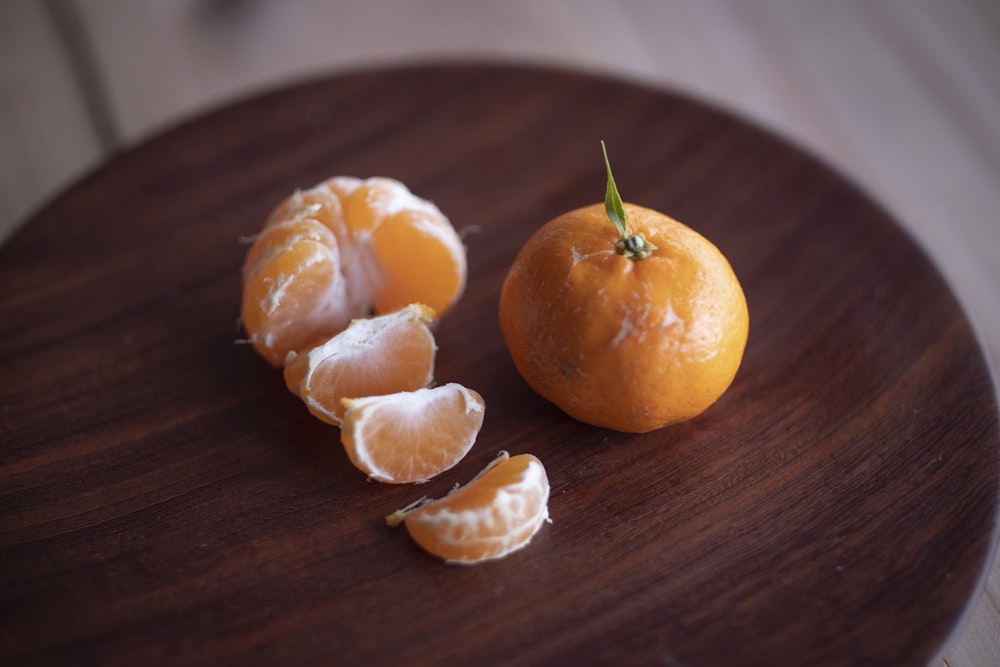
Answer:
(165, 500)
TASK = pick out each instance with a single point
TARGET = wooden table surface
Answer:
(899, 96)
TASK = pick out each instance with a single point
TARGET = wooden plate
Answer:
(165, 500)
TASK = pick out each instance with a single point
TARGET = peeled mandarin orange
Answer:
(498, 512)
(630, 326)
(411, 436)
(339, 251)
(377, 355)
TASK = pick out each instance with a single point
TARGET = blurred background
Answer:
(900, 96)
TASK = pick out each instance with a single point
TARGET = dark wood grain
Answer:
(165, 500)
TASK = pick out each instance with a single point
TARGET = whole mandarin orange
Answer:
(630, 329)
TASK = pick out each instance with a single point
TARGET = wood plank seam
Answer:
(79, 51)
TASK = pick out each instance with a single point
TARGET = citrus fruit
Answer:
(376, 355)
(339, 251)
(632, 323)
(496, 513)
(411, 436)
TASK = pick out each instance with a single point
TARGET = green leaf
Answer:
(612, 200)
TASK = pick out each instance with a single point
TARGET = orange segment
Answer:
(294, 295)
(422, 258)
(496, 513)
(341, 186)
(372, 356)
(278, 236)
(376, 199)
(322, 202)
(411, 436)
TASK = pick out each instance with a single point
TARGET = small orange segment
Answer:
(294, 295)
(420, 254)
(422, 259)
(411, 436)
(495, 514)
(372, 356)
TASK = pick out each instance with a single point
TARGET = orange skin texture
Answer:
(625, 344)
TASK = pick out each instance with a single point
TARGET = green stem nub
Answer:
(634, 246)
